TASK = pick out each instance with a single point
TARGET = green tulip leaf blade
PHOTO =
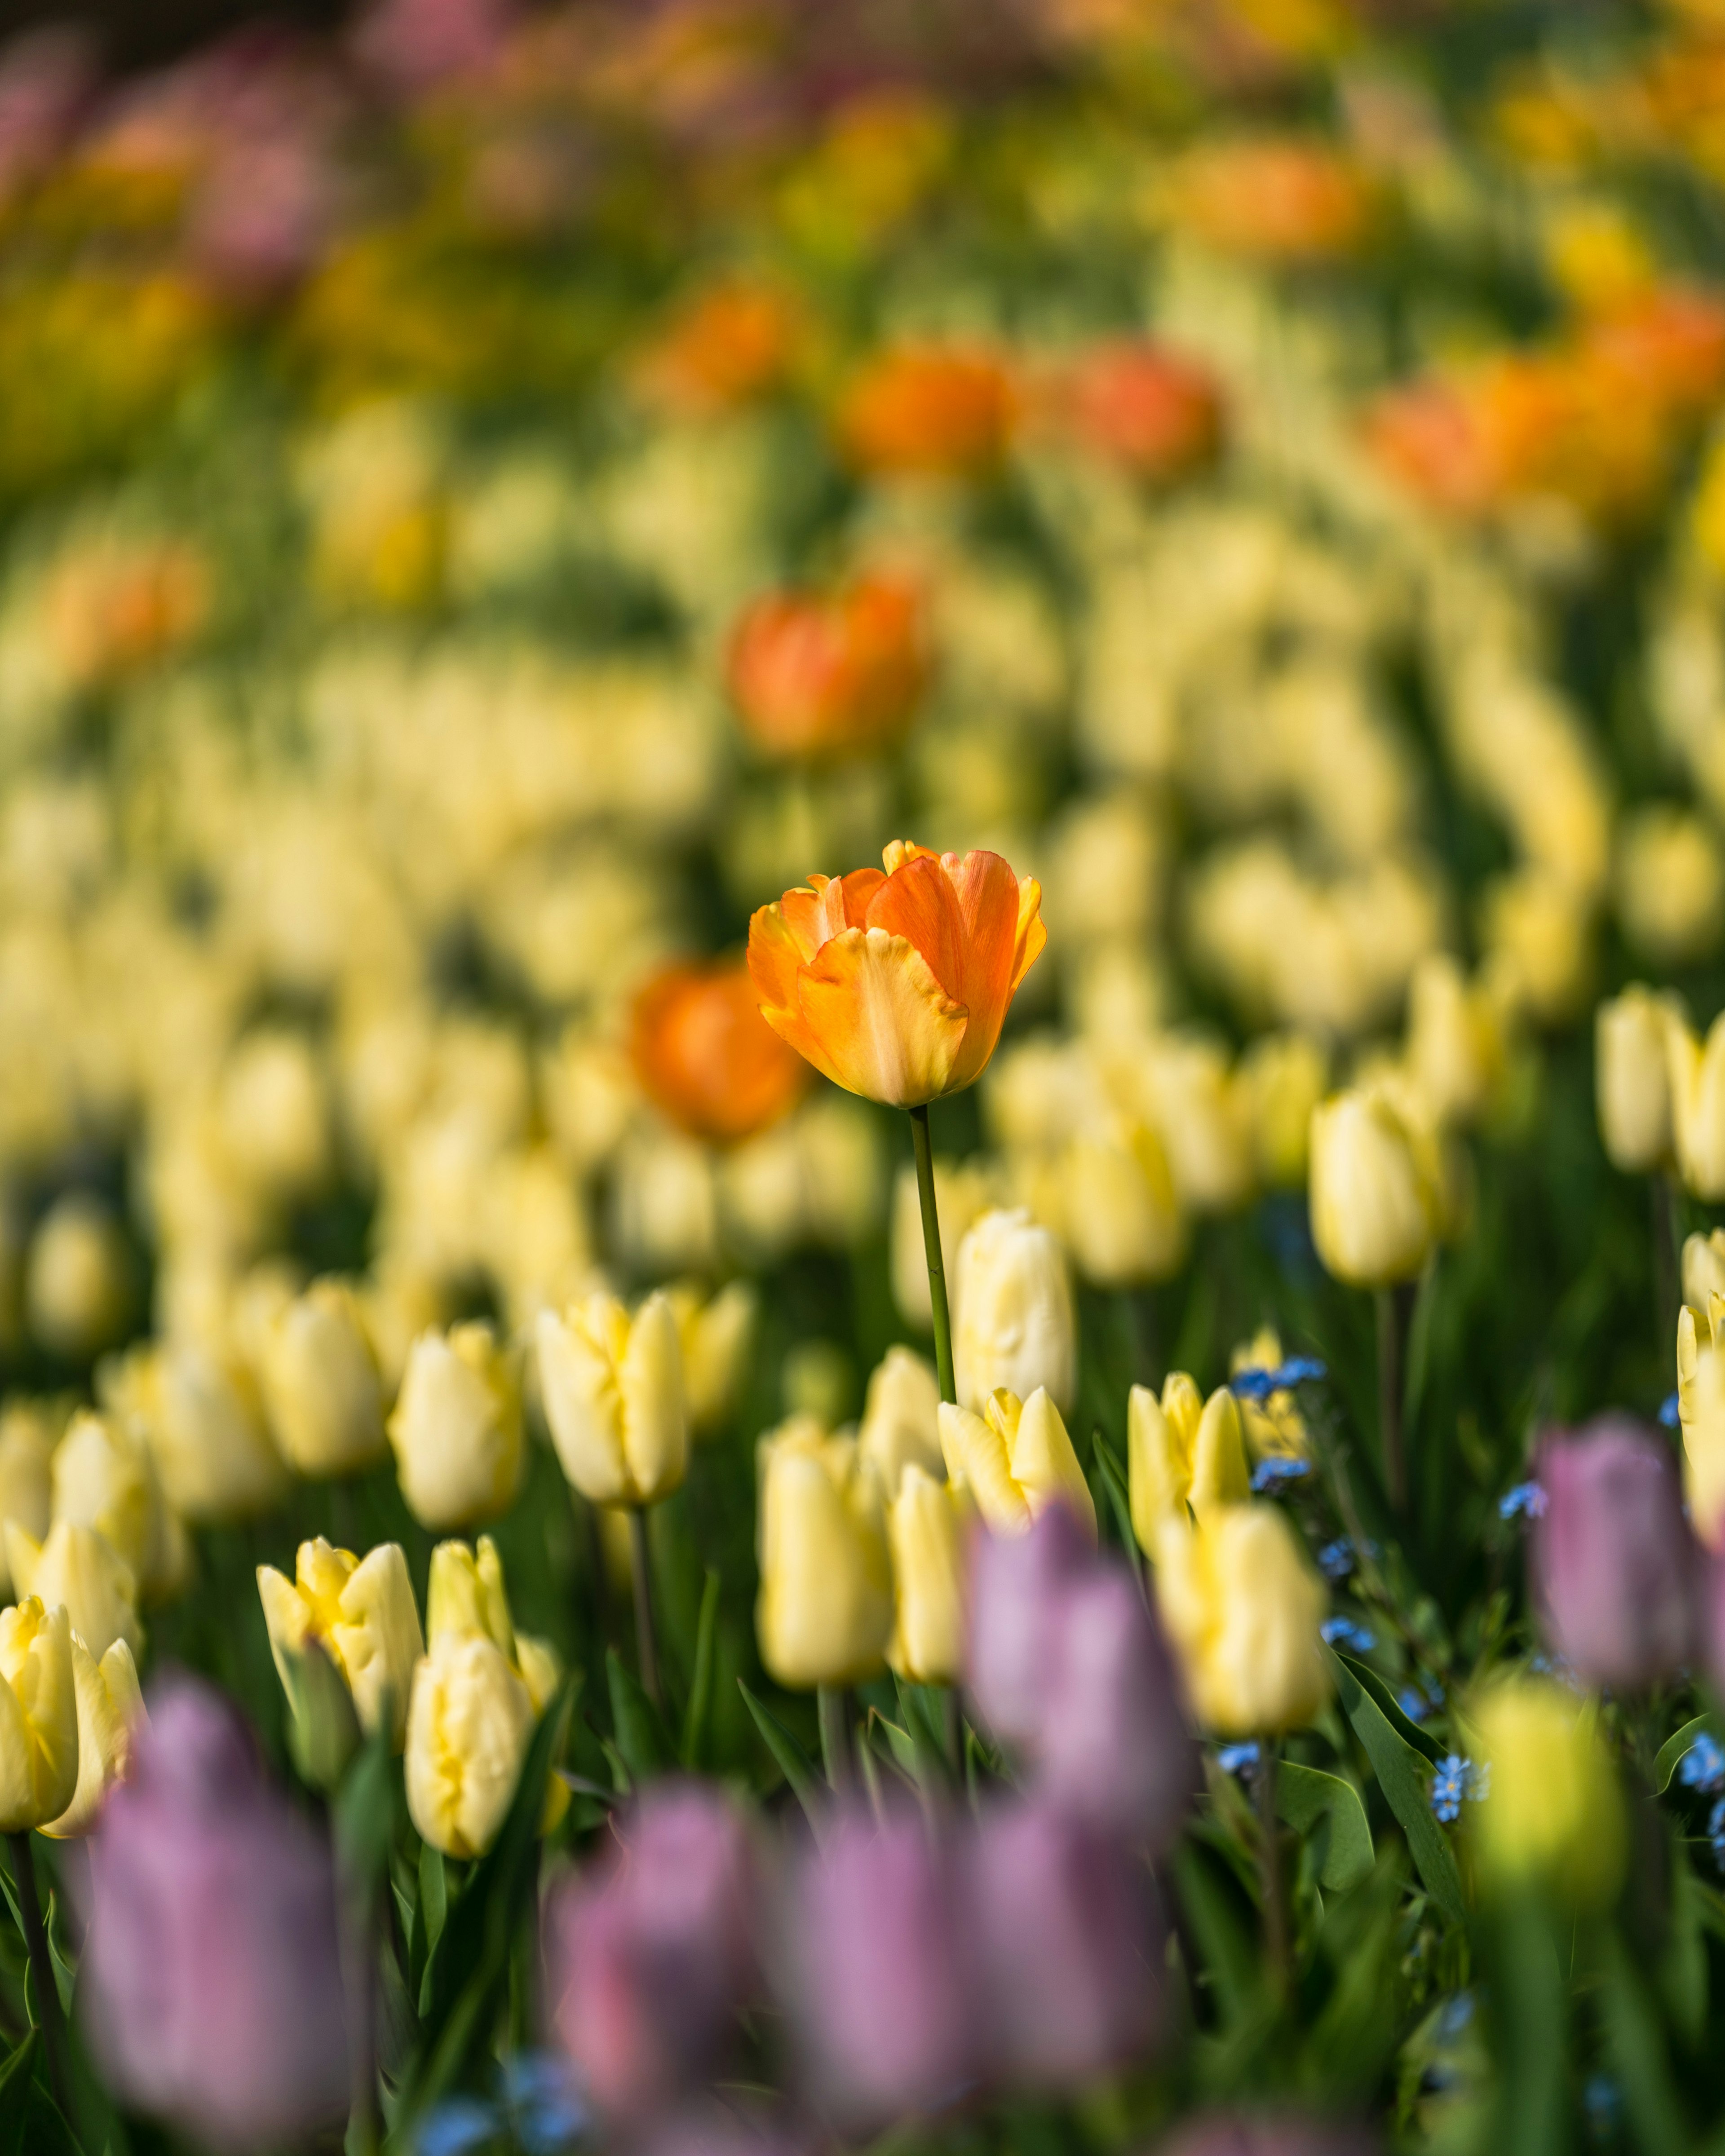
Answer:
(1672, 1752)
(1402, 1723)
(699, 1711)
(639, 1729)
(1303, 1797)
(799, 1769)
(1401, 1775)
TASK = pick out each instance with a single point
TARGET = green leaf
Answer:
(1303, 1797)
(1402, 1777)
(1638, 2052)
(1391, 1709)
(642, 1738)
(1671, 1751)
(795, 1764)
(1530, 2012)
(365, 1812)
(700, 1685)
(14, 2081)
(1229, 1956)
(1683, 1965)
(916, 1707)
(45, 2130)
(66, 1969)
(1119, 1497)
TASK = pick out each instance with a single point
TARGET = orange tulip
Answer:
(812, 675)
(735, 343)
(704, 1057)
(1275, 198)
(1148, 409)
(895, 986)
(932, 411)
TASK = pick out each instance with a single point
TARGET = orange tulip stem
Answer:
(931, 1251)
(48, 1997)
(646, 1646)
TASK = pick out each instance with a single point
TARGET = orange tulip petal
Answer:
(884, 1026)
(988, 901)
(801, 910)
(917, 902)
(1032, 934)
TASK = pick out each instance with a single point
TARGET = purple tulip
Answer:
(1017, 1582)
(1231, 2136)
(872, 1970)
(211, 1981)
(652, 1952)
(1616, 1567)
(1067, 1948)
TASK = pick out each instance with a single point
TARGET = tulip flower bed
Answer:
(862, 1082)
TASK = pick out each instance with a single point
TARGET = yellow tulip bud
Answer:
(320, 1383)
(927, 1526)
(1015, 1460)
(1180, 1454)
(900, 1424)
(26, 1472)
(467, 1598)
(824, 1614)
(1552, 1815)
(80, 1567)
(103, 1477)
(1243, 1608)
(612, 1391)
(199, 1415)
(1456, 1045)
(717, 1338)
(1373, 1199)
(1283, 1076)
(1013, 1325)
(1701, 1413)
(1118, 1208)
(457, 1429)
(1670, 885)
(1203, 1119)
(1703, 1269)
(78, 1283)
(361, 1612)
(1697, 1081)
(1632, 1078)
(110, 1708)
(470, 1722)
(38, 1715)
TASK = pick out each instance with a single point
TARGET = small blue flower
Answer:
(1457, 1781)
(1702, 1766)
(1668, 1413)
(1526, 1497)
(1343, 1632)
(1715, 1832)
(1454, 2020)
(1270, 1475)
(1334, 1560)
(1413, 1704)
(1259, 1384)
(1237, 1758)
(458, 2125)
(1301, 1370)
(544, 2101)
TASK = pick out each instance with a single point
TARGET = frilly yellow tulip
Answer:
(1016, 1459)
(361, 1612)
(456, 1429)
(1182, 1451)
(110, 1708)
(78, 1566)
(467, 1598)
(38, 1715)
(470, 1721)
(1697, 1082)
(1243, 1610)
(612, 1390)
(824, 1616)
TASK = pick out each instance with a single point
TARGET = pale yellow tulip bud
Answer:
(824, 1616)
(1180, 1454)
(457, 1429)
(361, 1612)
(1117, 1207)
(1243, 1608)
(717, 1336)
(1283, 1076)
(1701, 1412)
(1015, 1461)
(928, 1525)
(470, 1722)
(1670, 885)
(1552, 1815)
(1203, 1119)
(80, 1567)
(900, 1424)
(26, 1472)
(1703, 1270)
(612, 1391)
(38, 1715)
(1373, 1199)
(963, 1194)
(1014, 1323)
(1456, 1045)
(199, 1415)
(1632, 1082)
(320, 1383)
(110, 1708)
(78, 1278)
(103, 1477)
(1697, 1081)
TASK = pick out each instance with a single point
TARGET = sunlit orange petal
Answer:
(917, 902)
(775, 959)
(1032, 934)
(884, 1026)
(988, 901)
(801, 913)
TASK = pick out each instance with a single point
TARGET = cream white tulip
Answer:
(612, 1387)
(825, 1612)
(110, 1709)
(1374, 1197)
(1016, 1459)
(1697, 1078)
(104, 1477)
(200, 1415)
(321, 1389)
(927, 1525)
(1632, 1078)
(900, 1424)
(456, 1429)
(1014, 1327)
(78, 1567)
(26, 1438)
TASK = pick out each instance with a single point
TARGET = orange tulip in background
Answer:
(734, 343)
(704, 1056)
(813, 676)
(931, 410)
(1158, 414)
(896, 985)
(1275, 198)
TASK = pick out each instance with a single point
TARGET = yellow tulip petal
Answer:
(885, 1027)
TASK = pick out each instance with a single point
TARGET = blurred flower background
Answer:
(509, 1646)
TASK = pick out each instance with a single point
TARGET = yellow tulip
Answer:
(1114, 1197)
(824, 1616)
(467, 1598)
(1456, 1045)
(1013, 1324)
(1275, 1429)
(1182, 1451)
(199, 1412)
(612, 1392)
(1701, 1414)
(1697, 1081)
(38, 1715)
(717, 1336)
(457, 1429)
(26, 1472)
(469, 1721)
(1552, 1815)
(1632, 1080)
(927, 1525)
(361, 1612)
(1703, 1268)
(110, 1708)
(1374, 1194)
(900, 1424)
(103, 1477)
(1283, 1076)
(320, 1383)
(1016, 1459)
(1243, 1608)
(80, 1567)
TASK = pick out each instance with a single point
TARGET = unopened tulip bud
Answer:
(103, 1477)
(1632, 1078)
(1016, 1459)
(1180, 1453)
(470, 1722)
(1373, 1196)
(1455, 1046)
(1553, 1814)
(200, 1416)
(718, 1338)
(1118, 1208)
(110, 1709)
(320, 1383)
(38, 1715)
(1203, 1117)
(1703, 1268)
(323, 1729)
(900, 1424)
(612, 1390)
(1697, 1080)
(825, 1612)
(78, 1567)
(362, 1612)
(457, 1429)
(928, 1524)
(26, 1473)
(1701, 1414)
(78, 1278)
(1616, 1566)
(1284, 1076)
(1013, 1325)
(1243, 1610)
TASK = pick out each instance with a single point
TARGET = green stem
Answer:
(931, 1252)
(835, 1737)
(48, 1997)
(1275, 1908)
(1390, 1398)
(646, 1645)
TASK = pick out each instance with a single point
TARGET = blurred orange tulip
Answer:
(896, 985)
(735, 342)
(704, 1057)
(810, 675)
(1157, 413)
(1274, 199)
(930, 410)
